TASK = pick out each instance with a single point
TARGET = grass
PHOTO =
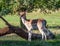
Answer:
(52, 20)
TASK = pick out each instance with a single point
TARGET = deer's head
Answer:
(22, 12)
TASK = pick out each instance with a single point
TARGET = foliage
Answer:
(8, 6)
(11, 6)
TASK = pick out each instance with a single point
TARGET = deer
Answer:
(39, 24)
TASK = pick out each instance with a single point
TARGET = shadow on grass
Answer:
(56, 27)
(33, 43)
(57, 36)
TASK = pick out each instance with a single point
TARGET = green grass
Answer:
(14, 20)
(14, 40)
(18, 41)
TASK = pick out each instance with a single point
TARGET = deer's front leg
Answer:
(29, 35)
(44, 36)
(29, 27)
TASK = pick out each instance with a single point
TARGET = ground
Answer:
(53, 22)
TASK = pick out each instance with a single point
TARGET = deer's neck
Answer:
(23, 20)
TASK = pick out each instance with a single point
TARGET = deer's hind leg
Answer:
(39, 25)
(42, 33)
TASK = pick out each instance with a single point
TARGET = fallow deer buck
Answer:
(39, 24)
